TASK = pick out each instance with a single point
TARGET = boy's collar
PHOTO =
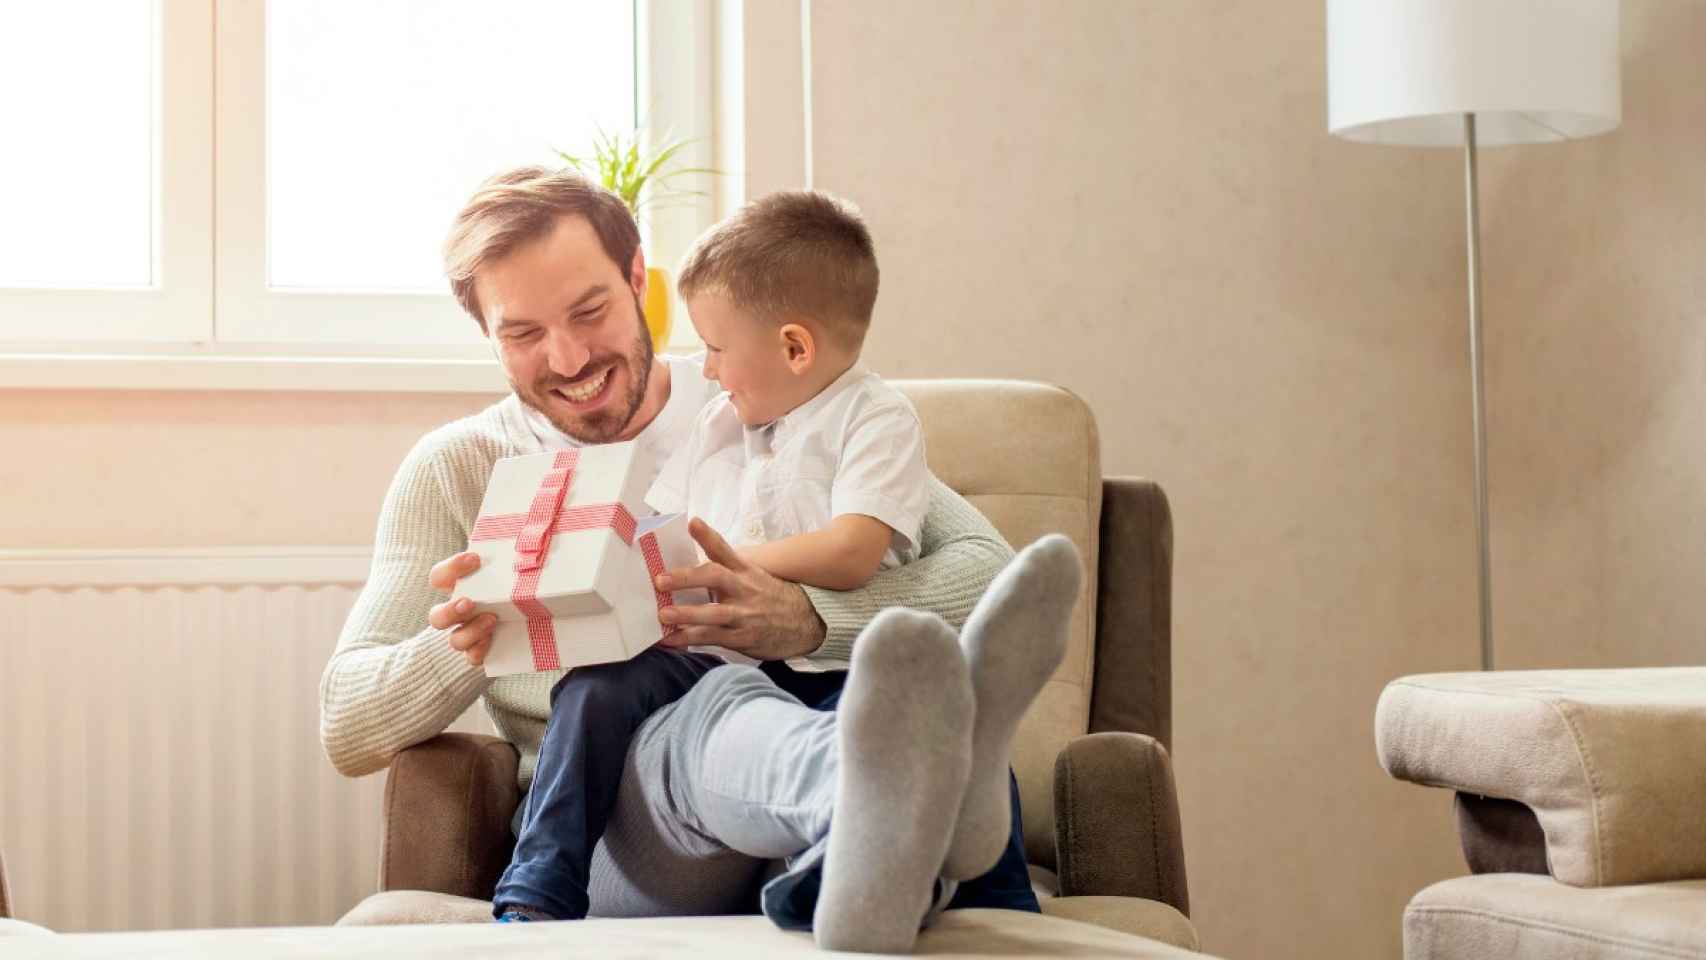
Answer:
(785, 424)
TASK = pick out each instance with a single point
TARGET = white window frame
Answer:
(677, 94)
(177, 305)
(246, 311)
(211, 323)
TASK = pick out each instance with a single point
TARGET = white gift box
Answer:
(567, 552)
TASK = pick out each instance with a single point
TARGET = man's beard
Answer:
(601, 426)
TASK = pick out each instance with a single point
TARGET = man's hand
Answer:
(473, 634)
(754, 613)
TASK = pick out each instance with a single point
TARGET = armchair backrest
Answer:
(1029, 457)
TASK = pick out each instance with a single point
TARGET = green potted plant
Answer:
(642, 178)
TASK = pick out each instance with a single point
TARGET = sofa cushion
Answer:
(398, 907)
(965, 933)
(1028, 456)
(1143, 918)
(1045, 883)
(1527, 917)
(1612, 762)
(17, 928)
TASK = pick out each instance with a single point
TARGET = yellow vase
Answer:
(658, 306)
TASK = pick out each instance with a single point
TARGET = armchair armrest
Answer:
(1612, 764)
(1117, 820)
(448, 804)
(1134, 611)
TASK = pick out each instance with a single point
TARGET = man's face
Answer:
(567, 326)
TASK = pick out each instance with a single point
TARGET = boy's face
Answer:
(746, 356)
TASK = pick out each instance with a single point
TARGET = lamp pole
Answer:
(1477, 391)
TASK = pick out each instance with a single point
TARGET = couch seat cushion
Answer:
(1612, 762)
(1527, 917)
(1142, 918)
(1134, 915)
(962, 933)
(14, 928)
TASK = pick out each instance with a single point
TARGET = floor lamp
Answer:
(1447, 73)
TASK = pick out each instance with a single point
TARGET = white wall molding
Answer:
(184, 566)
(67, 371)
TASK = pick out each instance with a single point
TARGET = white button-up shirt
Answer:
(856, 447)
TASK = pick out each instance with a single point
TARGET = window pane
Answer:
(76, 173)
(383, 116)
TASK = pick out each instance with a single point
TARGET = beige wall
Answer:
(132, 469)
(1596, 296)
(1138, 200)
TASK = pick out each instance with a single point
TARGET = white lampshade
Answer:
(1405, 71)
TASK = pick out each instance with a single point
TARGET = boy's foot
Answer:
(516, 913)
(1013, 641)
(904, 731)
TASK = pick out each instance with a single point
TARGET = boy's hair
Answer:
(522, 205)
(797, 253)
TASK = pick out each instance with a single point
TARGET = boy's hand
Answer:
(473, 635)
(753, 613)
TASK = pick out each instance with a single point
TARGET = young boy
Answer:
(808, 463)
(811, 466)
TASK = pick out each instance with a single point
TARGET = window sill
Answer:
(68, 371)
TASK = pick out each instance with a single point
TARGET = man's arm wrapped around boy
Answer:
(960, 552)
(393, 681)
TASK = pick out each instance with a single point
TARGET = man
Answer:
(550, 267)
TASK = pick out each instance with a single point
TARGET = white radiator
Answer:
(160, 763)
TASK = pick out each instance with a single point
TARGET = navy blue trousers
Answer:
(595, 713)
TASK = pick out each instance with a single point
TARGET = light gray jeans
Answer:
(734, 775)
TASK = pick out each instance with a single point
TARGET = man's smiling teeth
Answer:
(587, 390)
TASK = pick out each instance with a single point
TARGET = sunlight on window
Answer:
(383, 116)
(76, 117)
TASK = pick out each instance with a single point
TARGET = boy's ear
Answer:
(637, 273)
(799, 347)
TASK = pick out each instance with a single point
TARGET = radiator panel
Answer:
(160, 764)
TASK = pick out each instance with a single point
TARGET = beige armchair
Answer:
(1581, 809)
(1101, 814)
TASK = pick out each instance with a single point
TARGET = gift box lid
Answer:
(604, 499)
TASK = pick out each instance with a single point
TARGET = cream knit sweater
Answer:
(393, 681)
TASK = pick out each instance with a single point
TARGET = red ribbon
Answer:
(533, 531)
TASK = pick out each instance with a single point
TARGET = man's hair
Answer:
(791, 254)
(522, 205)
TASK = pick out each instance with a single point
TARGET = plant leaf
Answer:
(621, 163)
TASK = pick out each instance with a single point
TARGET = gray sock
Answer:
(1013, 641)
(904, 732)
